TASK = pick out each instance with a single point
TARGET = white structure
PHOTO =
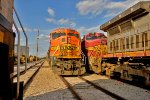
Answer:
(22, 50)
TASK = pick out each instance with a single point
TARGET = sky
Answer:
(46, 15)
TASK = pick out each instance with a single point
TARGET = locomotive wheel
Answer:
(50, 63)
(125, 74)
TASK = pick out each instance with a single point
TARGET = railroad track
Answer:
(78, 89)
(23, 72)
(71, 88)
(27, 79)
(31, 78)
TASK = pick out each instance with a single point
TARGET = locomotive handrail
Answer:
(83, 55)
(18, 64)
(24, 35)
(18, 68)
(55, 50)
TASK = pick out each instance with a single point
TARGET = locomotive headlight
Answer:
(69, 48)
(62, 48)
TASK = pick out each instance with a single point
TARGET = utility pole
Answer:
(37, 44)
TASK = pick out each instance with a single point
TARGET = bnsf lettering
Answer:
(68, 47)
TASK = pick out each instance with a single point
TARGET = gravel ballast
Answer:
(48, 86)
(125, 90)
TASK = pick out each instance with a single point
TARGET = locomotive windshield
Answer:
(91, 37)
(56, 35)
(72, 34)
(102, 36)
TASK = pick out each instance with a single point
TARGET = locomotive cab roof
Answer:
(61, 30)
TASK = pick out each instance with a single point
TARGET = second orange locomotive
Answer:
(65, 52)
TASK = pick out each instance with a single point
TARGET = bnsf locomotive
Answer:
(93, 46)
(65, 52)
(128, 45)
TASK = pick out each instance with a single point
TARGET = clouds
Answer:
(45, 37)
(51, 20)
(66, 21)
(51, 12)
(62, 21)
(59, 22)
(31, 30)
(90, 6)
(110, 7)
(84, 30)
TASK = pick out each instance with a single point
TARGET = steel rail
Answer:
(23, 72)
(71, 88)
(113, 95)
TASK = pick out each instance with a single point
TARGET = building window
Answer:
(132, 42)
(127, 43)
(137, 41)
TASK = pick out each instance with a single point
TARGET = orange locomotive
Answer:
(65, 52)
